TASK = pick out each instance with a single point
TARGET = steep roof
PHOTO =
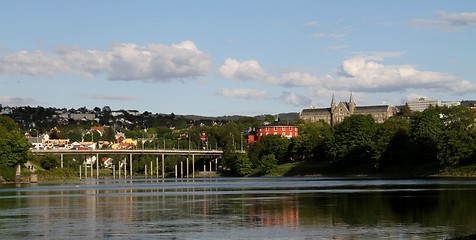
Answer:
(315, 111)
(371, 109)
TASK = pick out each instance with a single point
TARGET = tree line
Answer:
(436, 138)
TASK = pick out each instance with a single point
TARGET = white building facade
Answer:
(422, 103)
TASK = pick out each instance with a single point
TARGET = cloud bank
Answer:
(17, 101)
(123, 61)
(243, 93)
(447, 21)
(364, 73)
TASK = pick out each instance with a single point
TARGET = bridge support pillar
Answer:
(61, 160)
(163, 165)
(120, 170)
(187, 167)
(193, 166)
(97, 166)
(157, 167)
(130, 164)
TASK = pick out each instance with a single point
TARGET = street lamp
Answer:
(241, 143)
(188, 136)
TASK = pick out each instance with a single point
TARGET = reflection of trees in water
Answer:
(427, 208)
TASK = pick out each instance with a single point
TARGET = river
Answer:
(240, 208)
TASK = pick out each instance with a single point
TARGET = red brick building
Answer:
(281, 130)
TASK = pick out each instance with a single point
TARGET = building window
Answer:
(275, 129)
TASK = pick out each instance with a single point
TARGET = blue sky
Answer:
(217, 58)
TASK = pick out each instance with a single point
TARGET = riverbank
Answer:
(311, 168)
(304, 168)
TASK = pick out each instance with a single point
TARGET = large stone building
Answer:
(337, 112)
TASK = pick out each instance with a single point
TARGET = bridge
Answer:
(131, 152)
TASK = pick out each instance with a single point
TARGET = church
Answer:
(337, 112)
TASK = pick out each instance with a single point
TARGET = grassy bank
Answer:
(295, 169)
(311, 168)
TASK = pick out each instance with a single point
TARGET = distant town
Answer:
(82, 128)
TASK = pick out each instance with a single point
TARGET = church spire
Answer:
(333, 102)
(351, 104)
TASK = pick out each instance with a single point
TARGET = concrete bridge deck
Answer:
(131, 151)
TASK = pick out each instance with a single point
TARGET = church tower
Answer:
(333, 109)
(351, 104)
(333, 103)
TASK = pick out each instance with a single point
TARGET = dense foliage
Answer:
(13, 147)
(433, 139)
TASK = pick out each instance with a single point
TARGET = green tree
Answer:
(457, 141)
(425, 133)
(405, 111)
(13, 144)
(311, 140)
(244, 165)
(48, 162)
(392, 141)
(109, 134)
(352, 142)
(267, 164)
(277, 145)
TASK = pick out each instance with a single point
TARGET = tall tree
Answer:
(311, 140)
(425, 133)
(392, 141)
(352, 141)
(13, 144)
(457, 141)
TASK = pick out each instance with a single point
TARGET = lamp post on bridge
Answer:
(189, 136)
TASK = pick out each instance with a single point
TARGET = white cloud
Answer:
(365, 73)
(242, 93)
(329, 35)
(446, 21)
(242, 70)
(116, 98)
(154, 62)
(313, 24)
(295, 99)
(335, 47)
(17, 101)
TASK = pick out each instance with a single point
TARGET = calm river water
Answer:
(240, 208)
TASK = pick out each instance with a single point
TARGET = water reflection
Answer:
(257, 208)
